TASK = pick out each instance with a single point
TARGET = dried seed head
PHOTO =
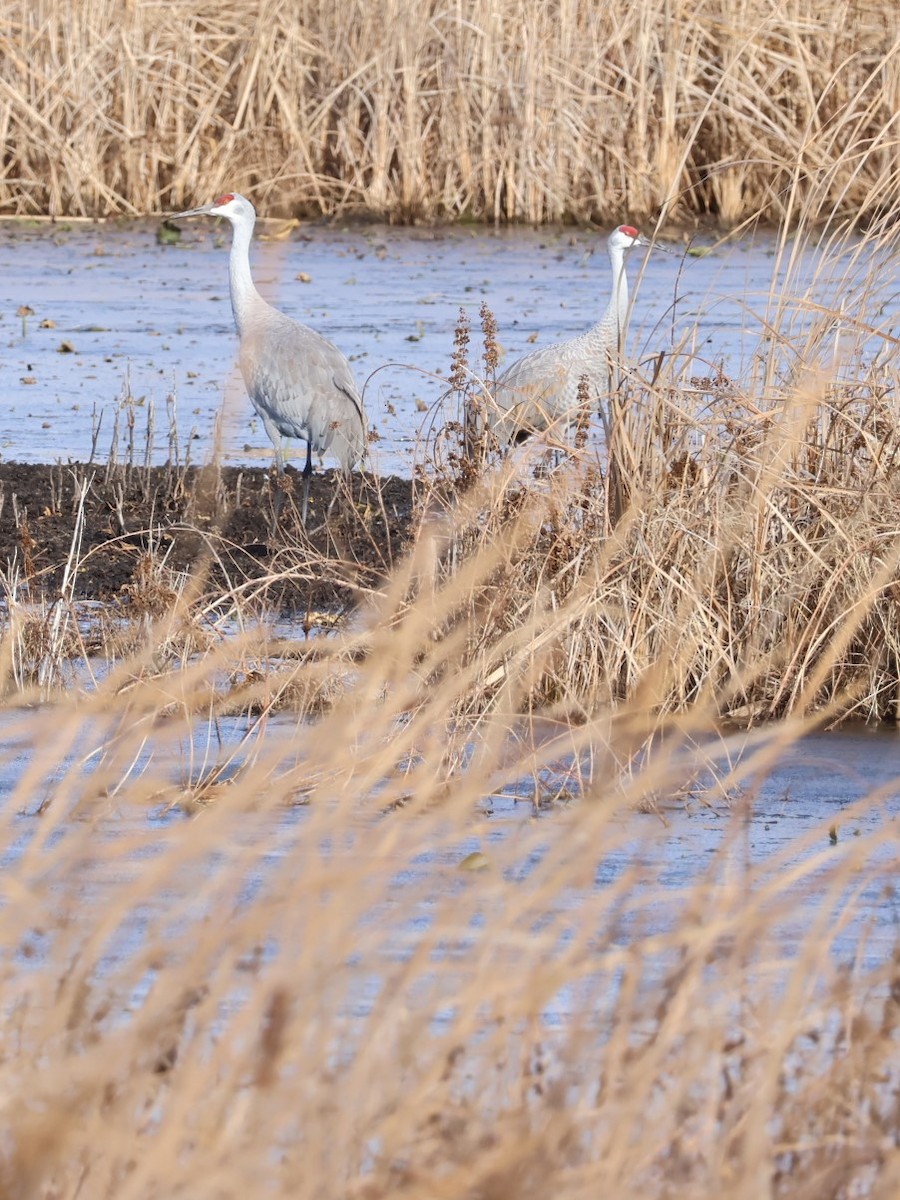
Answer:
(584, 412)
(491, 349)
(459, 369)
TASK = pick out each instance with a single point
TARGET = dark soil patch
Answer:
(146, 528)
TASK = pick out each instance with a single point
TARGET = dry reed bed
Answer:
(317, 1001)
(508, 110)
(738, 548)
(756, 577)
(752, 572)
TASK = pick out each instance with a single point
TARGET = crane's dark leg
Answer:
(307, 475)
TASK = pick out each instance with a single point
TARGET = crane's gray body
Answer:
(301, 385)
(541, 389)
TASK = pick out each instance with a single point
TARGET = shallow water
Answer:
(154, 321)
(823, 798)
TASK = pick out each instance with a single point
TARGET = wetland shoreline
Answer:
(147, 529)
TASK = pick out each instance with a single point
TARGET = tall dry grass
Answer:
(341, 975)
(501, 111)
(734, 550)
(322, 951)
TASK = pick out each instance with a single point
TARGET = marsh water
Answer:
(91, 315)
(824, 808)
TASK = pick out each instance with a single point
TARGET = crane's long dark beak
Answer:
(203, 211)
(653, 245)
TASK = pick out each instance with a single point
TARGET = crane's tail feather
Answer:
(351, 436)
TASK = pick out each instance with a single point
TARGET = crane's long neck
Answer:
(613, 320)
(244, 295)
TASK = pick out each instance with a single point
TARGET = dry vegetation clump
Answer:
(506, 111)
(309, 683)
(735, 546)
(728, 580)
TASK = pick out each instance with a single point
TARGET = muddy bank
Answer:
(135, 534)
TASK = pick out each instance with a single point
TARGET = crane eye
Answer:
(224, 200)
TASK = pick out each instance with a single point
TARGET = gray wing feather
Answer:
(542, 387)
(303, 385)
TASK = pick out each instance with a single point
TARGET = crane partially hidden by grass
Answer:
(301, 385)
(542, 388)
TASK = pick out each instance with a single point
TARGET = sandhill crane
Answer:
(300, 383)
(542, 388)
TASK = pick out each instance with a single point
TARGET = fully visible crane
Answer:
(300, 383)
(542, 388)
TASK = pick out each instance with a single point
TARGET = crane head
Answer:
(627, 236)
(234, 207)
